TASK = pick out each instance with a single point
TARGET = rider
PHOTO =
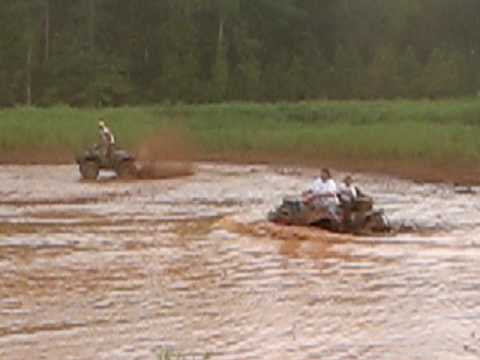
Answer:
(324, 187)
(348, 191)
(106, 138)
(324, 193)
(348, 194)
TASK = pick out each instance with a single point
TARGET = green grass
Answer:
(424, 132)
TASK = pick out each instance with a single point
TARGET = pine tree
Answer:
(443, 74)
(220, 75)
(409, 70)
(383, 73)
(348, 73)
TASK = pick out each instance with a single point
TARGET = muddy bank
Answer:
(38, 156)
(461, 173)
(171, 155)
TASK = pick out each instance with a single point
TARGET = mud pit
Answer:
(122, 270)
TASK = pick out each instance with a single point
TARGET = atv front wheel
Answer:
(89, 170)
(126, 169)
(376, 223)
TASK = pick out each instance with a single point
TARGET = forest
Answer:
(112, 52)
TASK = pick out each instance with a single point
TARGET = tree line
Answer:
(116, 52)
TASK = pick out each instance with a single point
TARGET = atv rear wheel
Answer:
(126, 169)
(89, 170)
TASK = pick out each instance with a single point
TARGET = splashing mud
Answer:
(167, 144)
(281, 232)
(166, 154)
(100, 270)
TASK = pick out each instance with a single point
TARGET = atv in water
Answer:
(356, 217)
(98, 158)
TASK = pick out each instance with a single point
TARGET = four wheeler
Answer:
(357, 216)
(99, 158)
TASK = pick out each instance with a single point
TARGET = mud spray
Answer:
(166, 154)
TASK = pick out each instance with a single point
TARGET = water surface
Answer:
(122, 270)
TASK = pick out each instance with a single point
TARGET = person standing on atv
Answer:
(106, 138)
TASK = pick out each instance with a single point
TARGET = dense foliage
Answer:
(112, 52)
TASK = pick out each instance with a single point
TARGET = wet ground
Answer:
(125, 270)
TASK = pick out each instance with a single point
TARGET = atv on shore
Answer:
(98, 158)
(356, 217)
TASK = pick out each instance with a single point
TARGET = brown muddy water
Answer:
(124, 270)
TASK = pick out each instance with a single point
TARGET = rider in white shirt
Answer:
(324, 193)
(324, 188)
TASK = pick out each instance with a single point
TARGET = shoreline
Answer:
(426, 141)
(417, 172)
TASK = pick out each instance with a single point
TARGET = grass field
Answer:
(414, 138)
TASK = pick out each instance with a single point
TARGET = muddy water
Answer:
(123, 270)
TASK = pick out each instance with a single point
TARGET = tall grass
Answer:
(421, 132)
